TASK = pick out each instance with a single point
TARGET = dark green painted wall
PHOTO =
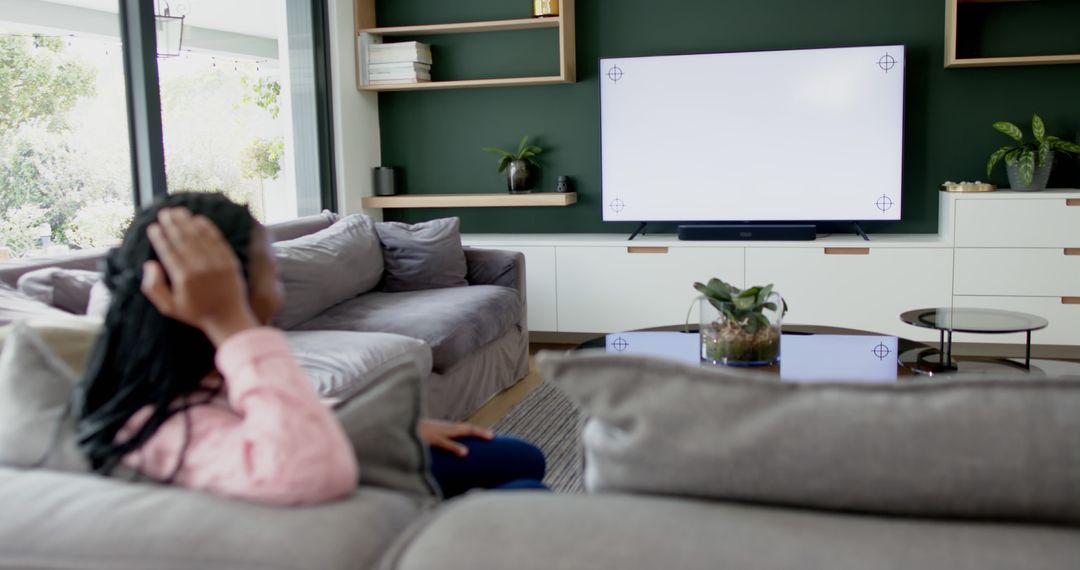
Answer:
(435, 136)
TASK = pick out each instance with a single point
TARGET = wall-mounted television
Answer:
(769, 136)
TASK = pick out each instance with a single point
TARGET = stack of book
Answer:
(402, 62)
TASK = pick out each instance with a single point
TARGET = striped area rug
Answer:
(551, 422)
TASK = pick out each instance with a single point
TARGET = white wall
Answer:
(356, 116)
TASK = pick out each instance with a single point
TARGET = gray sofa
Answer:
(477, 335)
(693, 468)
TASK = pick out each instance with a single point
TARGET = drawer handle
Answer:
(847, 251)
(1072, 202)
(642, 249)
(1072, 251)
(1070, 300)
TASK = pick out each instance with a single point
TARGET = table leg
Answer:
(1027, 352)
(948, 348)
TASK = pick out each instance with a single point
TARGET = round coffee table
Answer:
(807, 353)
(930, 360)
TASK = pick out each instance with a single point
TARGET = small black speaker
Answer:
(384, 179)
(747, 232)
(562, 184)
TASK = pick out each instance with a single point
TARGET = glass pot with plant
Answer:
(740, 327)
(520, 166)
(1028, 164)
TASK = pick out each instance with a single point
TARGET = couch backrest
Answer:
(90, 259)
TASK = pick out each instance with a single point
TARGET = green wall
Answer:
(435, 136)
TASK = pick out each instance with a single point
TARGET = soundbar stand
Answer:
(859, 230)
(640, 230)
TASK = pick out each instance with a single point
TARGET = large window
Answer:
(240, 113)
(65, 172)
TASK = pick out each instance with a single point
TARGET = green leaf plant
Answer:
(743, 307)
(1028, 155)
(525, 152)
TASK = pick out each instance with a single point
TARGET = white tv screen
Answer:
(802, 135)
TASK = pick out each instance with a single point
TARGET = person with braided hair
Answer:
(188, 384)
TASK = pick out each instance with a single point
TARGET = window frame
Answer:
(145, 131)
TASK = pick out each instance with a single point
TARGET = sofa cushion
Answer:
(427, 255)
(38, 364)
(341, 364)
(65, 289)
(454, 321)
(64, 521)
(380, 422)
(15, 306)
(991, 448)
(298, 227)
(542, 531)
(322, 269)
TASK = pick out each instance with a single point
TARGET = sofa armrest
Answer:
(496, 267)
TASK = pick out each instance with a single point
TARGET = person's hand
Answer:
(198, 280)
(441, 435)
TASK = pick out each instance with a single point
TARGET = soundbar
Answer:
(745, 232)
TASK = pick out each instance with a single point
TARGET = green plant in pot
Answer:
(1028, 164)
(740, 327)
(521, 167)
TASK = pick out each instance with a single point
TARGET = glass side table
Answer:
(980, 321)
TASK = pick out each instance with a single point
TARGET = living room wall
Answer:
(435, 136)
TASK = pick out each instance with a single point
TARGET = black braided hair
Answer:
(142, 357)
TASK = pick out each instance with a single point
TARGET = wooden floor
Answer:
(497, 407)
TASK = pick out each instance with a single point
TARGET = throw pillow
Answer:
(38, 364)
(327, 267)
(1000, 448)
(15, 306)
(65, 289)
(380, 423)
(427, 255)
(100, 299)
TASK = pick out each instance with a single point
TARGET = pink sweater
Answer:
(266, 437)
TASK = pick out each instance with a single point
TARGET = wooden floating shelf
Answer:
(489, 200)
(467, 27)
(1019, 60)
(369, 33)
(952, 25)
(466, 83)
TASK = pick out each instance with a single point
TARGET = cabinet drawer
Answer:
(1064, 319)
(1019, 272)
(607, 289)
(1035, 222)
(539, 285)
(866, 291)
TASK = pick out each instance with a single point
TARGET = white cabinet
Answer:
(1031, 272)
(1022, 219)
(861, 288)
(1004, 250)
(604, 289)
(1019, 251)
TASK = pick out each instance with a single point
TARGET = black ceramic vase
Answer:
(520, 177)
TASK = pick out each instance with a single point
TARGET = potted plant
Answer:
(519, 166)
(1028, 164)
(740, 327)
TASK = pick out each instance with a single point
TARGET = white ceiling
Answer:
(260, 18)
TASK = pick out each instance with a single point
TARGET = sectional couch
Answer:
(475, 336)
